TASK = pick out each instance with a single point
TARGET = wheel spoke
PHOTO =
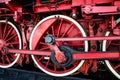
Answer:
(47, 63)
(53, 32)
(5, 28)
(55, 67)
(11, 46)
(8, 33)
(13, 55)
(8, 59)
(67, 30)
(40, 58)
(59, 28)
(12, 37)
(12, 43)
(117, 66)
(3, 57)
(43, 43)
(44, 48)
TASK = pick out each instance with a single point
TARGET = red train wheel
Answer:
(58, 26)
(9, 38)
(113, 65)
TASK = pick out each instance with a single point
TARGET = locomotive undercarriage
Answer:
(67, 41)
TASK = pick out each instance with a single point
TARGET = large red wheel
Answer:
(9, 39)
(58, 26)
(114, 45)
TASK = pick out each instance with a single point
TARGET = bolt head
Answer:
(49, 39)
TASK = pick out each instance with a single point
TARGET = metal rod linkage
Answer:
(30, 52)
(76, 55)
(89, 38)
(96, 55)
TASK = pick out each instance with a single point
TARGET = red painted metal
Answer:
(88, 9)
(40, 30)
(59, 55)
(51, 7)
(33, 52)
(89, 38)
(76, 55)
(89, 2)
(96, 55)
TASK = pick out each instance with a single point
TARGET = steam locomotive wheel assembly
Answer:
(9, 39)
(61, 37)
(57, 26)
(113, 65)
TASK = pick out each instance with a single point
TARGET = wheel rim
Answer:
(69, 30)
(113, 65)
(10, 39)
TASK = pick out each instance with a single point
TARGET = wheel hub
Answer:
(50, 39)
(2, 43)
